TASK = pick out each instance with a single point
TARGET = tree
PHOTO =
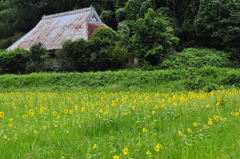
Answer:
(75, 56)
(119, 3)
(107, 51)
(103, 51)
(109, 18)
(218, 24)
(13, 61)
(154, 38)
(137, 8)
(38, 57)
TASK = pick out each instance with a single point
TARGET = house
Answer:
(53, 30)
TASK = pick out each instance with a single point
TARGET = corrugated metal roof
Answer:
(53, 30)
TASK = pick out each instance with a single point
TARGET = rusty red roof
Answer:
(53, 30)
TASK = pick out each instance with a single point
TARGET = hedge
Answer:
(207, 78)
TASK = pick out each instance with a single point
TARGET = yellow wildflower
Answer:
(153, 112)
(94, 146)
(217, 104)
(54, 113)
(24, 116)
(156, 107)
(10, 125)
(215, 117)
(148, 153)
(31, 112)
(236, 114)
(179, 132)
(116, 157)
(144, 130)
(83, 109)
(195, 124)
(189, 130)
(125, 151)
(210, 122)
(1, 114)
(157, 147)
(76, 107)
(41, 108)
(71, 111)
(208, 105)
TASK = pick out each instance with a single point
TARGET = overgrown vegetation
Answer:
(102, 52)
(196, 58)
(207, 79)
(13, 61)
(149, 30)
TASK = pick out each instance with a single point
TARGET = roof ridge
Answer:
(67, 13)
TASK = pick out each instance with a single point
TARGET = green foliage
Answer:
(38, 58)
(103, 51)
(13, 61)
(154, 38)
(208, 78)
(108, 17)
(126, 29)
(218, 24)
(233, 78)
(107, 52)
(120, 14)
(75, 56)
(137, 8)
(196, 23)
(119, 3)
(197, 58)
(90, 79)
(104, 36)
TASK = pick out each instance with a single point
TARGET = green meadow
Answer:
(95, 124)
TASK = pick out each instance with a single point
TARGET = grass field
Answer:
(105, 125)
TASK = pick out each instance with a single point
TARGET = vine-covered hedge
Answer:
(207, 78)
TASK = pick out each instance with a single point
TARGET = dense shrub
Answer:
(120, 14)
(233, 78)
(102, 52)
(13, 61)
(208, 78)
(75, 56)
(197, 58)
(106, 50)
(38, 59)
